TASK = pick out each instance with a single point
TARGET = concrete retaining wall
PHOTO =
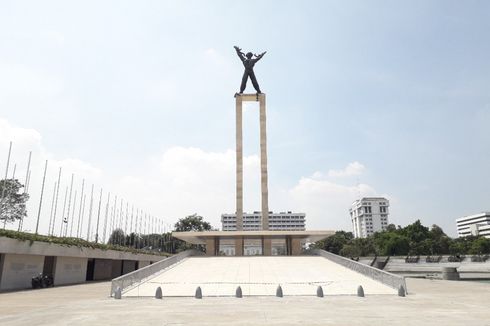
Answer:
(70, 270)
(22, 260)
(16, 271)
(143, 264)
(386, 278)
(466, 268)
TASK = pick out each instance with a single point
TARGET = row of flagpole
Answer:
(78, 202)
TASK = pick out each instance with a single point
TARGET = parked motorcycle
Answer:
(42, 281)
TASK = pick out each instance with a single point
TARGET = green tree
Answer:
(391, 228)
(359, 247)
(350, 250)
(413, 239)
(189, 223)
(462, 246)
(117, 237)
(335, 242)
(12, 201)
(480, 246)
(441, 245)
(134, 240)
(436, 232)
(366, 246)
(456, 248)
(192, 223)
(440, 242)
(391, 244)
(415, 232)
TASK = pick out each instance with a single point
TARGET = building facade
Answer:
(369, 215)
(283, 221)
(477, 224)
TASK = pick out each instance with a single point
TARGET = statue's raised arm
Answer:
(258, 57)
(239, 52)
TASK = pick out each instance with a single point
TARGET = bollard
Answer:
(279, 291)
(158, 293)
(238, 292)
(117, 293)
(319, 292)
(401, 291)
(360, 291)
(198, 293)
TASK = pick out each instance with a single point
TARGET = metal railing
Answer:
(386, 278)
(128, 280)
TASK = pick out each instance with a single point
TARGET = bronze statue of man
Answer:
(248, 63)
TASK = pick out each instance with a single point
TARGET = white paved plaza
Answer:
(430, 302)
(258, 276)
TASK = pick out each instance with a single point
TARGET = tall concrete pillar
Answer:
(239, 246)
(210, 247)
(239, 164)
(295, 246)
(240, 98)
(267, 246)
(263, 164)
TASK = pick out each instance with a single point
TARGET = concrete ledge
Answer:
(18, 247)
(466, 268)
(386, 278)
(250, 97)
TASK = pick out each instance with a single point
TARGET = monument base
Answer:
(244, 243)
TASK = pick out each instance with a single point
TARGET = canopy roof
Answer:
(200, 237)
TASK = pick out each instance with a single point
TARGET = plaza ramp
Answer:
(257, 276)
(386, 278)
(127, 281)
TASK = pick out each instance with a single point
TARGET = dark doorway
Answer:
(2, 261)
(90, 269)
(49, 263)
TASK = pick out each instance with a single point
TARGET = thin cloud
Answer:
(185, 180)
(352, 169)
(326, 203)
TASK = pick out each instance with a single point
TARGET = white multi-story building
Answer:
(369, 215)
(277, 221)
(478, 224)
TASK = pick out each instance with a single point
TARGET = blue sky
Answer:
(142, 94)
